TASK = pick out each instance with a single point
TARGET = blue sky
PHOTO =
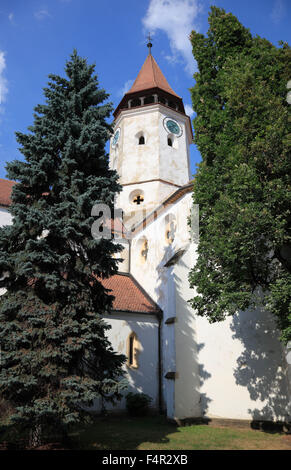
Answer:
(37, 37)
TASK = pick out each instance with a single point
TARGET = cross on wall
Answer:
(138, 199)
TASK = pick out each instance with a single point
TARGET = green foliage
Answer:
(55, 355)
(243, 183)
(137, 404)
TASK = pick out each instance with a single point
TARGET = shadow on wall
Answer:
(203, 376)
(258, 367)
(144, 378)
(188, 338)
(172, 295)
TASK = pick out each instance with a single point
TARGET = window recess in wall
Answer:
(141, 137)
(142, 248)
(170, 223)
(136, 197)
(133, 349)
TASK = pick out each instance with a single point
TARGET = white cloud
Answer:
(173, 59)
(11, 17)
(3, 81)
(41, 14)
(177, 18)
(278, 11)
(126, 87)
(189, 110)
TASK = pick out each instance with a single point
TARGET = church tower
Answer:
(150, 144)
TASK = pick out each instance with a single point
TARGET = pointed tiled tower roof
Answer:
(151, 76)
(150, 80)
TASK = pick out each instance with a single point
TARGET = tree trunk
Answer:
(35, 436)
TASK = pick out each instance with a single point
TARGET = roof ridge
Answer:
(153, 63)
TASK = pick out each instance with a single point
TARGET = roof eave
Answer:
(156, 313)
(147, 91)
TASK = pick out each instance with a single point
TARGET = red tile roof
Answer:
(151, 76)
(149, 81)
(129, 295)
(5, 192)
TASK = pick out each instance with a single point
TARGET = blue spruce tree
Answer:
(55, 355)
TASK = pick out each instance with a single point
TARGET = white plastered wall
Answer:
(123, 256)
(234, 369)
(137, 165)
(153, 193)
(189, 371)
(5, 217)
(159, 282)
(244, 369)
(144, 378)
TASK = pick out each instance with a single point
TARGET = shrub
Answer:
(137, 404)
(6, 410)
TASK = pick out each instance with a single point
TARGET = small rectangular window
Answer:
(130, 359)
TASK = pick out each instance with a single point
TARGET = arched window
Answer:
(141, 250)
(144, 250)
(132, 350)
(170, 142)
(149, 99)
(141, 137)
(170, 224)
(135, 102)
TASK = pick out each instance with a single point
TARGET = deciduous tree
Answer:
(243, 183)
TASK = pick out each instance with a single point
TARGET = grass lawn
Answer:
(155, 433)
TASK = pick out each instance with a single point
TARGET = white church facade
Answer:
(235, 369)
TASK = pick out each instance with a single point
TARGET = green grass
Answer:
(155, 433)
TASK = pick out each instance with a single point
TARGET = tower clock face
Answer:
(116, 137)
(172, 126)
